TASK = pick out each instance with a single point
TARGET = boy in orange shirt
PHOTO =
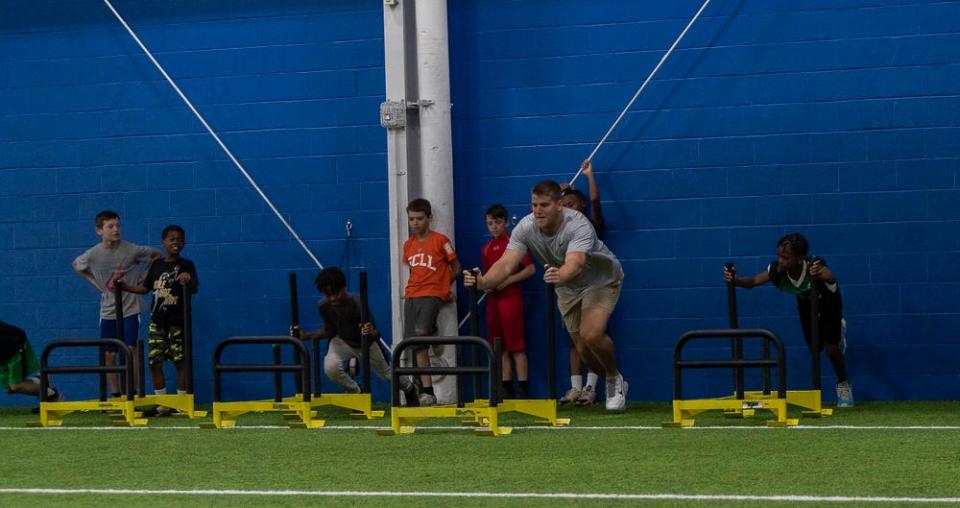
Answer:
(433, 268)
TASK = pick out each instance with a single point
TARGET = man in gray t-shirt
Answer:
(587, 276)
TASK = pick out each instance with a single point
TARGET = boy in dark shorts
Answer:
(505, 305)
(433, 268)
(167, 278)
(794, 273)
(19, 367)
(103, 264)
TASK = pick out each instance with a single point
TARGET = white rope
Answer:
(624, 112)
(465, 318)
(642, 87)
(214, 134)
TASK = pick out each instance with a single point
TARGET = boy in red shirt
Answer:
(505, 304)
(433, 268)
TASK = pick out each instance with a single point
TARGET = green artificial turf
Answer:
(740, 461)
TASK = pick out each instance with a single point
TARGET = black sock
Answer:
(506, 389)
(428, 389)
(524, 386)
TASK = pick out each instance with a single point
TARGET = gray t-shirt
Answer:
(576, 234)
(101, 261)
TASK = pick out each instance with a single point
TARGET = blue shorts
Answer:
(131, 330)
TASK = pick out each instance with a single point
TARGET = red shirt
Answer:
(489, 255)
(429, 261)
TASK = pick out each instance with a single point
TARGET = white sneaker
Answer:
(617, 394)
(844, 394)
(427, 400)
(570, 397)
(587, 396)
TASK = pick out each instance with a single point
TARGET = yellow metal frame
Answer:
(540, 408)
(360, 404)
(403, 419)
(298, 414)
(123, 411)
(809, 400)
(182, 402)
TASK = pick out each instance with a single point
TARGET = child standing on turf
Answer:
(101, 265)
(505, 304)
(19, 368)
(168, 278)
(433, 268)
(795, 273)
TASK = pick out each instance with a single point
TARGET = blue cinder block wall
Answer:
(87, 123)
(836, 119)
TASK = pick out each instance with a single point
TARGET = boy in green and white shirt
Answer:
(794, 273)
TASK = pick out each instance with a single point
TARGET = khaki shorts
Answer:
(605, 297)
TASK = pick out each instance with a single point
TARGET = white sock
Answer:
(50, 392)
(576, 382)
(592, 379)
(160, 391)
(181, 392)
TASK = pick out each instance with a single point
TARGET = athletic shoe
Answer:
(570, 397)
(521, 393)
(587, 396)
(844, 394)
(427, 400)
(56, 396)
(617, 394)
(843, 335)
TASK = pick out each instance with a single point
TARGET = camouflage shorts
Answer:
(165, 344)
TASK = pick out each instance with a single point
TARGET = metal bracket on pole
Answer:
(393, 114)
(422, 103)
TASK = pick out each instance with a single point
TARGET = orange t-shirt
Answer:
(429, 261)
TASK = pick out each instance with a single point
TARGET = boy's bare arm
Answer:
(591, 181)
(89, 278)
(455, 269)
(138, 288)
(746, 282)
(821, 272)
(296, 331)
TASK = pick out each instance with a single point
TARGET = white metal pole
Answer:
(436, 152)
(395, 49)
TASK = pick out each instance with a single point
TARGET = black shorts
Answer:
(420, 314)
(830, 319)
